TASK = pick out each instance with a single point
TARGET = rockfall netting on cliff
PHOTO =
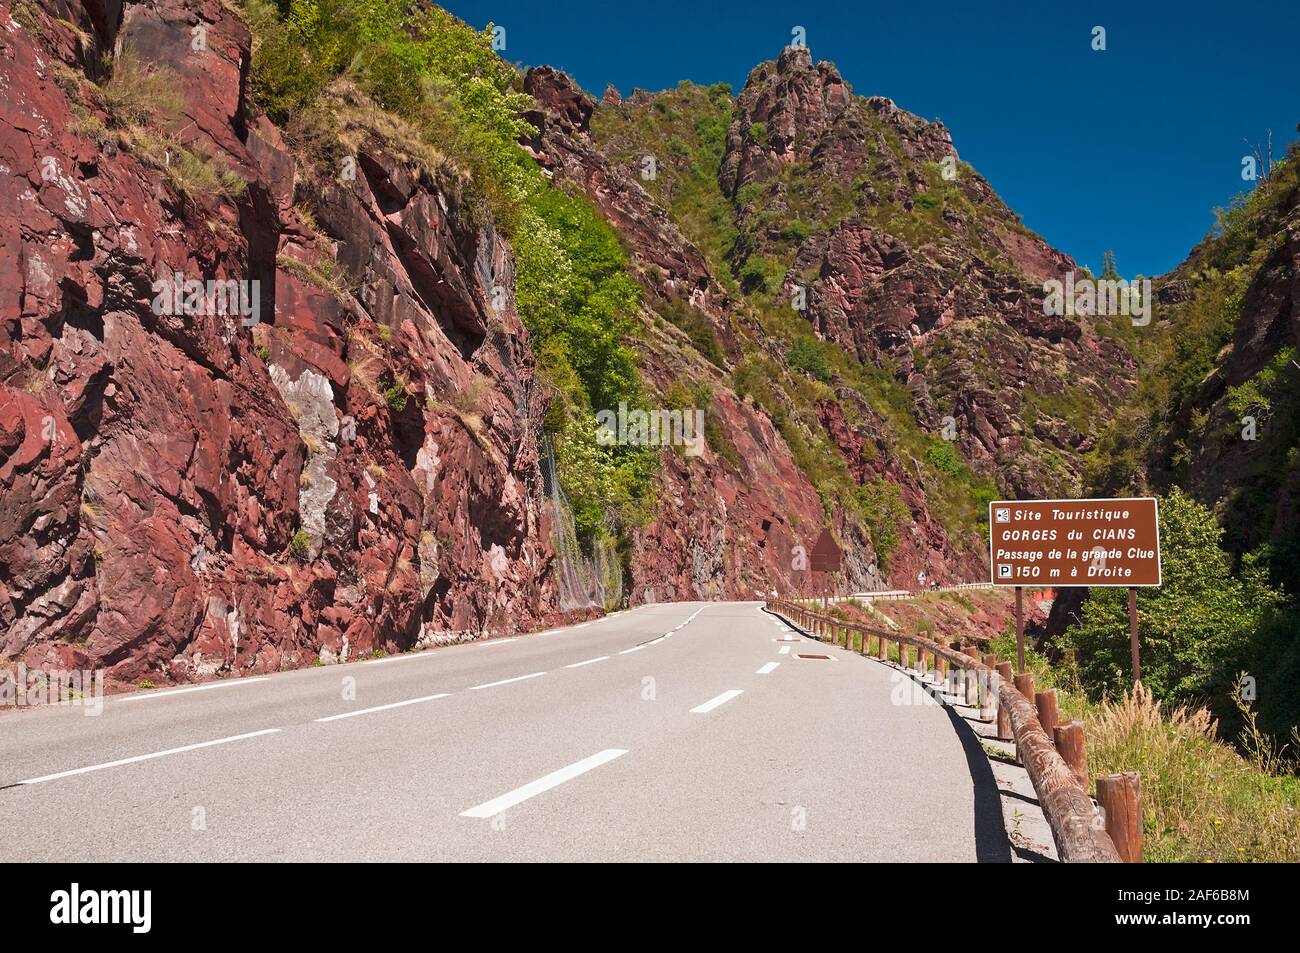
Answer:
(583, 581)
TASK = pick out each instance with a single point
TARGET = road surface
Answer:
(680, 731)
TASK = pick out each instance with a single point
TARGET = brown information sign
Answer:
(1074, 543)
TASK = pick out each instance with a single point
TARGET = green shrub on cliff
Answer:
(573, 291)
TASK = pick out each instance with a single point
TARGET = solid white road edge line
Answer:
(366, 711)
(403, 657)
(147, 757)
(533, 788)
(768, 669)
(505, 681)
(195, 688)
(713, 703)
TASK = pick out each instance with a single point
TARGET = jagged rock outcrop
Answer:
(190, 492)
(916, 261)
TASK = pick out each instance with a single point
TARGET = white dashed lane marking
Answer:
(713, 703)
(506, 681)
(587, 662)
(367, 711)
(533, 788)
(148, 757)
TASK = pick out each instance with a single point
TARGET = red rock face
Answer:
(925, 552)
(729, 528)
(194, 494)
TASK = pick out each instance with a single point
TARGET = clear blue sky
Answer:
(1128, 149)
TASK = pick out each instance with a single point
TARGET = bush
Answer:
(808, 356)
(760, 275)
(300, 545)
(395, 397)
(796, 231)
(943, 456)
(880, 504)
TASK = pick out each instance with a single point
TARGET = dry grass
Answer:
(365, 366)
(362, 124)
(470, 400)
(141, 95)
(325, 275)
(1202, 801)
(145, 106)
(37, 379)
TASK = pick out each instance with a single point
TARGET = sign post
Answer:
(1020, 631)
(1108, 543)
(1133, 633)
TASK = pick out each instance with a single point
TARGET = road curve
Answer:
(672, 732)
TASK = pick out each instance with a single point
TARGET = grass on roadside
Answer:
(1202, 801)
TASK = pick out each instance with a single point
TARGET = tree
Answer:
(1196, 630)
(1108, 270)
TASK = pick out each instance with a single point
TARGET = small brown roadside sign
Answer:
(1074, 542)
(826, 554)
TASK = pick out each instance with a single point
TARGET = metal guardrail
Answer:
(1081, 833)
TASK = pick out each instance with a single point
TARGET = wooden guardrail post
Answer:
(1046, 704)
(882, 648)
(988, 695)
(973, 654)
(1004, 717)
(1121, 801)
(1070, 746)
(1025, 685)
(972, 680)
(922, 664)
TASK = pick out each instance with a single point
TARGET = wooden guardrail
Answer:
(1081, 832)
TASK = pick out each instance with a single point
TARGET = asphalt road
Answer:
(681, 731)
